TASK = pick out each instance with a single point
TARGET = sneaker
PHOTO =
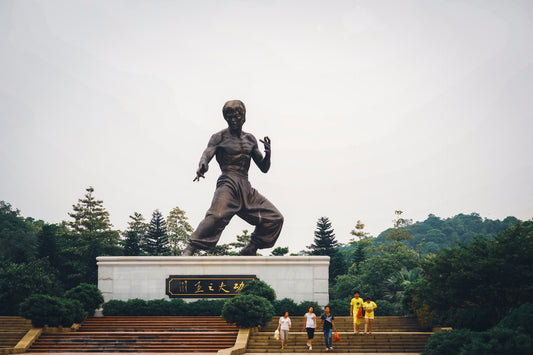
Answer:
(310, 347)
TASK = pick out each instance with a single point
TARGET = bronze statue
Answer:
(234, 195)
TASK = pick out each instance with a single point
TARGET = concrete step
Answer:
(142, 334)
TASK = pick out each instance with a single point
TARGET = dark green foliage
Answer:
(248, 311)
(519, 319)
(259, 288)
(474, 285)
(280, 251)
(89, 295)
(303, 307)
(498, 340)
(115, 308)
(135, 236)
(285, 304)
(512, 335)
(175, 307)
(18, 281)
(340, 307)
(51, 311)
(17, 235)
(206, 308)
(435, 233)
(447, 342)
(324, 242)
(157, 239)
(75, 312)
(386, 308)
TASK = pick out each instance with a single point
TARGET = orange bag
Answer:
(359, 313)
(336, 337)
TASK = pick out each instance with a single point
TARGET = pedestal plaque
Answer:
(300, 278)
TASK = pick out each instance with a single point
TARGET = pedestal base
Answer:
(300, 278)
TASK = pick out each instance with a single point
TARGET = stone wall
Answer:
(301, 278)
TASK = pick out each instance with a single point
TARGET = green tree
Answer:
(135, 236)
(399, 233)
(475, 284)
(280, 251)
(156, 238)
(20, 280)
(242, 241)
(17, 235)
(178, 230)
(358, 232)
(89, 214)
(90, 236)
(324, 242)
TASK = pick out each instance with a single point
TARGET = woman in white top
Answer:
(310, 325)
(283, 328)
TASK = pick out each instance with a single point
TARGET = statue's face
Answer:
(234, 115)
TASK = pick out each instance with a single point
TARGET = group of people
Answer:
(360, 309)
(327, 321)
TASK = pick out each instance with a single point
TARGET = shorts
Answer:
(356, 320)
(310, 333)
(284, 335)
(369, 317)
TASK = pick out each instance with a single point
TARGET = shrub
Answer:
(174, 307)
(158, 308)
(259, 288)
(177, 307)
(137, 307)
(286, 304)
(52, 311)
(115, 308)
(205, 308)
(519, 319)
(303, 307)
(76, 310)
(447, 342)
(89, 295)
(386, 308)
(340, 307)
(248, 311)
(498, 341)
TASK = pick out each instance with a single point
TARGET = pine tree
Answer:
(135, 235)
(324, 242)
(157, 239)
(89, 214)
(178, 230)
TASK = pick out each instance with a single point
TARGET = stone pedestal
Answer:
(300, 278)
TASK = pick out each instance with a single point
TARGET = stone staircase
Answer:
(142, 334)
(389, 335)
(12, 329)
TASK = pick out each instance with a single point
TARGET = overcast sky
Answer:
(372, 106)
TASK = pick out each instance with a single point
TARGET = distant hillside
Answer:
(436, 233)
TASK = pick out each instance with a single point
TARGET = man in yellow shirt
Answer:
(355, 305)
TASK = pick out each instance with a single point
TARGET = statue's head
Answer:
(234, 113)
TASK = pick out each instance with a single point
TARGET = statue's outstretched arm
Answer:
(262, 162)
(208, 154)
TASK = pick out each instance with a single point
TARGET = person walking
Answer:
(356, 312)
(284, 325)
(369, 307)
(310, 325)
(328, 321)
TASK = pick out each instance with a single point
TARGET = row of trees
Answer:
(400, 269)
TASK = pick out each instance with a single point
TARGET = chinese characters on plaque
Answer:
(206, 286)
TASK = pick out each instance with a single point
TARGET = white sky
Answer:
(372, 106)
